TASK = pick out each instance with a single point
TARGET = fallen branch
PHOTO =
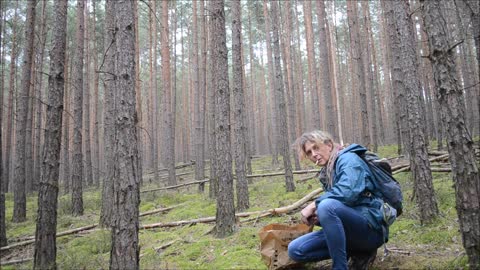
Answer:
(164, 245)
(58, 235)
(16, 261)
(437, 153)
(407, 167)
(281, 173)
(176, 186)
(31, 239)
(157, 211)
(261, 213)
(441, 169)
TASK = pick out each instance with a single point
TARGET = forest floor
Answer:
(412, 245)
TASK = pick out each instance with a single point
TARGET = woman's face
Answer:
(318, 153)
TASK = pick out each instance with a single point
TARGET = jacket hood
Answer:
(354, 148)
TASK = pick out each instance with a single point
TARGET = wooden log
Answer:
(31, 239)
(58, 235)
(176, 186)
(437, 153)
(19, 261)
(407, 167)
(261, 213)
(282, 173)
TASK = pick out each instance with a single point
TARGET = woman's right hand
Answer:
(308, 214)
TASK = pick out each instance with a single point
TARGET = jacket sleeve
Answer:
(349, 182)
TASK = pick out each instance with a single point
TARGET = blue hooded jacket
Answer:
(351, 179)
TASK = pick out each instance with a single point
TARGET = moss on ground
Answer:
(413, 245)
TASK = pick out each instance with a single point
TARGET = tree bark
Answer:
(45, 234)
(225, 215)
(359, 72)
(410, 86)
(106, 213)
(466, 176)
(325, 73)
(11, 92)
(125, 249)
(169, 125)
(3, 234)
(239, 128)
(38, 98)
(86, 104)
(20, 200)
(77, 170)
(282, 133)
(312, 67)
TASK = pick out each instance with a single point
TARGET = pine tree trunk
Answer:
(96, 135)
(289, 51)
(271, 77)
(45, 234)
(28, 130)
(125, 249)
(106, 213)
(358, 59)
(66, 128)
(10, 117)
(392, 62)
(169, 127)
(20, 200)
(325, 73)
(38, 100)
(238, 109)
(77, 172)
(281, 111)
(3, 234)
(460, 145)
(225, 215)
(86, 105)
(198, 102)
(153, 91)
(417, 143)
(312, 69)
(212, 136)
(203, 82)
(369, 82)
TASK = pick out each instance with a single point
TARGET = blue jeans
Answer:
(343, 230)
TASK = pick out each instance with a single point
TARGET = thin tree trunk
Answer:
(391, 66)
(20, 200)
(66, 127)
(46, 230)
(153, 90)
(238, 109)
(96, 135)
(86, 105)
(460, 145)
(106, 213)
(358, 59)
(225, 215)
(370, 82)
(125, 250)
(271, 77)
(38, 98)
(289, 51)
(325, 73)
(282, 133)
(10, 116)
(3, 234)
(213, 190)
(77, 172)
(312, 67)
(169, 126)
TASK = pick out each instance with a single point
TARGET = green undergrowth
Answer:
(413, 245)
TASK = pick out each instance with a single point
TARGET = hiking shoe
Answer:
(362, 261)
